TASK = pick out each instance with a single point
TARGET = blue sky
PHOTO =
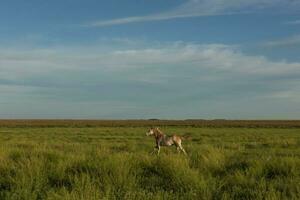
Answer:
(173, 59)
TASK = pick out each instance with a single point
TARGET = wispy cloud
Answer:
(288, 94)
(197, 8)
(288, 41)
(216, 56)
(127, 20)
(167, 75)
(149, 65)
(293, 22)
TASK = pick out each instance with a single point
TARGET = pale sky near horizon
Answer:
(174, 59)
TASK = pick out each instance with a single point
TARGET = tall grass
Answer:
(115, 163)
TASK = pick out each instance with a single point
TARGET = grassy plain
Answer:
(115, 163)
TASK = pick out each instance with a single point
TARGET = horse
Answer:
(163, 140)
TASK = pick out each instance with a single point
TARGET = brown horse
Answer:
(163, 140)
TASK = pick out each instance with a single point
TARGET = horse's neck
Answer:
(159, 134)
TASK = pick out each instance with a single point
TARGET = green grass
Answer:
(115, 163)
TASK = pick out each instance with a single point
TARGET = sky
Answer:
(141, 59)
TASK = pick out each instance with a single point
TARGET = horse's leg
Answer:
(158, 151)
(158, 141)
(157, 148)
(182, 149)
(152, 152)
(177, 148)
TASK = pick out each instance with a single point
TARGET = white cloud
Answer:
(221, 57)
(293, 22)
(164, 76)
(289, 94)
(288, 41)
(197, 8)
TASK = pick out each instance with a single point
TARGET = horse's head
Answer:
(150, 132)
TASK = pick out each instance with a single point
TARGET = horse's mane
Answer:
(158, 131)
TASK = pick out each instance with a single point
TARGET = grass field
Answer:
(115, 163)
